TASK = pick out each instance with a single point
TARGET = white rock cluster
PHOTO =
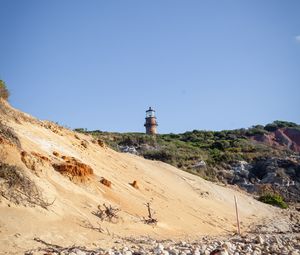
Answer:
(281, 244)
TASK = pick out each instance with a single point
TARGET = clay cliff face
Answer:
(287, 138)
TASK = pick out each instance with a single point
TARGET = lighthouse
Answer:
(151, 122)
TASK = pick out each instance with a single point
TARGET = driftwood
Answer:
(59, 249)
(150, 220)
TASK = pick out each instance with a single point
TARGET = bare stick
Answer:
(237, 216)
(150, 219)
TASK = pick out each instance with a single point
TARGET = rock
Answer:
(182, 243)
(196, 252)
(227, 245)
(78, 252)
(110, 252)
(294, 253)
(159, 249)
(160, 246)
(260, 240)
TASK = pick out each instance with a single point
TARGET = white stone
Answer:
(224, 252)
(80, 252)
(160, 246)
(260, 239)
(196, 252)
(294, 253)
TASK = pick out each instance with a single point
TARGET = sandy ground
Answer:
(185, 205)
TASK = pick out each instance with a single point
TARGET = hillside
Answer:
(52, 181)
(256, 159)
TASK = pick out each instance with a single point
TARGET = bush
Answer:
(8, 134)
(4, 93)
(16, 187)
(279, 124)
(273, 199)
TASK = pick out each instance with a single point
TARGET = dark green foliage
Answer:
(256, 130)
(4, 93)
(185, 150)
(273, 199)
(162, 155)
(80, 130)
(279, 124)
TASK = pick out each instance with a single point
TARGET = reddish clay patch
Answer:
(73, 168)
(40, 156)
(55, 153)
(101, 143)
(106, 182)
(135, 184)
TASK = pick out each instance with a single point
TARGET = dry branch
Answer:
(89, 225)
(150, 220)
(51, 248)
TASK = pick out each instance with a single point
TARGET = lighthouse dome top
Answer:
(150, 109)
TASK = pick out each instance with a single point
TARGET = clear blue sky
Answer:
(201, 64)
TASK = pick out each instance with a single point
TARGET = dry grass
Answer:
(53, 127)
(84, 144)
(4, 93)
(100, 142)
(7, 135)
(16, 187)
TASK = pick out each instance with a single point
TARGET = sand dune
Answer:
(185, 205)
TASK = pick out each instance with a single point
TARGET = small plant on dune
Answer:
(4, 93)
(150, 220)
(107, 213)
(273, 199)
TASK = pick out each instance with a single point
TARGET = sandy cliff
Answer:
(68, 167)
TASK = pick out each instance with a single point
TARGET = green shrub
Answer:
(4, 93)
(279, 124)
(273, 199)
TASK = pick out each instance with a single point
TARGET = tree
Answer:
(4, 93)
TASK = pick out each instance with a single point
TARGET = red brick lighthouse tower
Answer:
(151, 122)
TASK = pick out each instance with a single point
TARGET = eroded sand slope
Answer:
(185, 205)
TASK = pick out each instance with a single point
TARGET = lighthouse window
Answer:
(150, 114)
